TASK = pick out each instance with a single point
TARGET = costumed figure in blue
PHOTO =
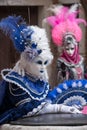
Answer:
(24, 90)
(71, 70)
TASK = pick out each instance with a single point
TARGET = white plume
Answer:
(74, 8)
(55, 9)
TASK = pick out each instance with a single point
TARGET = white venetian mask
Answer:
(70, 48)
(69, 44)
(38, 66)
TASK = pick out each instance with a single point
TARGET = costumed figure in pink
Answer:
(66, 33)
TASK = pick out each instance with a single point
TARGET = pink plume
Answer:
(52, 21)
(65, 21)
(81, 21)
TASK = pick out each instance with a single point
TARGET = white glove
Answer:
(68, 109)
(58, 108)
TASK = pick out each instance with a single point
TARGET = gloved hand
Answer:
(58, 108)
(68, 109)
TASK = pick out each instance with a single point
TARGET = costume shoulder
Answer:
(38, 89)
(61, 61)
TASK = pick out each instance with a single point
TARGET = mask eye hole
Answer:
(39, 62)
(72, 48)
(46, 62)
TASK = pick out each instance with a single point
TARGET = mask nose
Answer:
(43, 66)
(71, 52)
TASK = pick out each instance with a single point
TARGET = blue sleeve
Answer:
(18, 112)
(3, 87)
(14, 113)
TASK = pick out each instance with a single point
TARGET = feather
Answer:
(74, 8)
(56, 9)
(12, 27)
(65, 20)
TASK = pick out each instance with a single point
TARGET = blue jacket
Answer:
(20, 95)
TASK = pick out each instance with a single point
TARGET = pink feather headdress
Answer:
(65, 21)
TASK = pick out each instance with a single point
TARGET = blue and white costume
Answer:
(24, 90)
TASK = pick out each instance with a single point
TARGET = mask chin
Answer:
(44, 75)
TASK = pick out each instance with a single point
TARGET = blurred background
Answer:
(34, 11)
